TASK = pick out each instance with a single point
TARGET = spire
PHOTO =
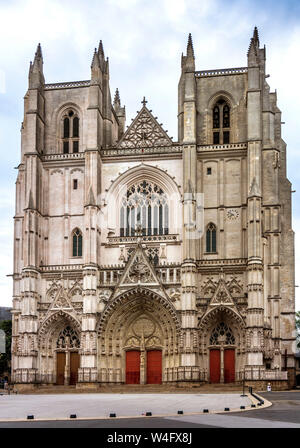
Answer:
(38, 53)
(100, 50)
(38, 58)
(190, 49)
(255, 36)
(36, 76)
(188, 61)
(117, 101)
(254, 43)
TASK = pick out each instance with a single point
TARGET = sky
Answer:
(144, 40)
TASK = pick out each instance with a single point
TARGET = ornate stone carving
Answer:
(139, 271)
(144, 131)
(174, 294)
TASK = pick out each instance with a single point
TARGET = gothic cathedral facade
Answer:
(140, 260)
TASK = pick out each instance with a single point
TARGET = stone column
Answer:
(255, 311)
(189, 343)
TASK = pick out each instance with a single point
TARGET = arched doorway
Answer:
(222, 345)
(67, 357)
(59, 343)
(137, 339)
(222, 354)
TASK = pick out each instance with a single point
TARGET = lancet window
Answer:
(221, 123)
(70, 132)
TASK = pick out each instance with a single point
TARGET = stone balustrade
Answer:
(221, 72)
(67, 85)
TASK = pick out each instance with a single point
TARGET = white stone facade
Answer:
(105, 256)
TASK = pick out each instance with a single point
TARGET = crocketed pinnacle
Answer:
(255, 36)
(100, 49)
(95, 60)
(117, 101)
(190, 49)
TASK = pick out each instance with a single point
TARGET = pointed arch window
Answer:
(145, 205)
(77, 243)
(211, 238)
(221, 123)
(70, 132)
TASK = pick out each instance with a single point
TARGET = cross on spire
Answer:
(144, 102)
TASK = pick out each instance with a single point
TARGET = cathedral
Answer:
(143, 260)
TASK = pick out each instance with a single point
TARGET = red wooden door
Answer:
(229, 365)
(60, 368)
(133, 367)
(214, 365)
(154, 367)
(74, 366)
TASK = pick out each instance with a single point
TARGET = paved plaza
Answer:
(59, 406)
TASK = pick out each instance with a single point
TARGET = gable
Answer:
(144, 131)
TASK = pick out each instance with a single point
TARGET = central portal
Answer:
(135, 367)
(222, 360)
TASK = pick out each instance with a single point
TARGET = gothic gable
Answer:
(144, 131)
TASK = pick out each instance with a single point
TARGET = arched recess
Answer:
(141, 320)
(229, 100)
(235, 322)
(133, 176)
(48, 336)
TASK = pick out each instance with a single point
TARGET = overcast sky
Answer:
(143, 40)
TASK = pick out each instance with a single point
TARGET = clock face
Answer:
(232, 214)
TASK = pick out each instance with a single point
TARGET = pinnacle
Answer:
(255, 35)
(190, 49)
(95, 60)
(38, 52)
(117, 100)
(100, 49)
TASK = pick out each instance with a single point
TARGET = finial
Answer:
(144, 102)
